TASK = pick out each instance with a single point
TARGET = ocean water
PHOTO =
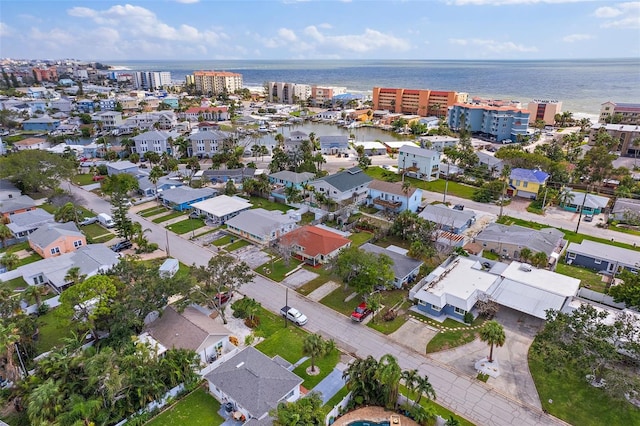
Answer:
(581, 85)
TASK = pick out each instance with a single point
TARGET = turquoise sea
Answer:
(581, 85)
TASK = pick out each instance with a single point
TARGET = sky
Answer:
(319, 29)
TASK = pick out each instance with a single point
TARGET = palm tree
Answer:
(451, 421)
(492, 333)
(406, 188)
(424, 388)
(73, 276)
(280, 140)
(35, 292)
(636, 147)
(315, 346)
(66, 213)
(506, 172)
(45, 402)
(8, 338)
(525, 254)
(389, 375)
(10, 261)
(565, 196)
(154, 176)
(5, 234)
(410, 378)
(540, 260)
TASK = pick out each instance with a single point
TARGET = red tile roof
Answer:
(315, 240)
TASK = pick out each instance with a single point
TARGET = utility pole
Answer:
(544, 200)
(446, 185)
(167, 235)
(581, 208)
(504, 186)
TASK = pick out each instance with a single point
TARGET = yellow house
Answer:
(526, 183)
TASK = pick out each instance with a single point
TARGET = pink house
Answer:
(56, 238)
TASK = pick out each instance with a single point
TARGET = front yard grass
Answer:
(335, 300)
(15, 283)
(94, 230)
(197, 408)
(169, 216)
(277, 270)
(359, 238)
(587, 277)
(454, 188)
(237, 244)
(324, 275)
(16, 247)
(448, 339)
(286, 342)
(103, 238)
(325, 364)
(222, 241)
(259, 202)
(83, 179)
(575, 401)
(152, 211)
(52, 330)
(33, 257)
(184, 226)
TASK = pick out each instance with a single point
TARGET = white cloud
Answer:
(493, 45)
(5, 30)
(367, 41)
(508, 2)
(628, 12)
(287, 34)
(571, 38)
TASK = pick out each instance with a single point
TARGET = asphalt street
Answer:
(457, 391)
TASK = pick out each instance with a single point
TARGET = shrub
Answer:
(252, 322)
(390, 315)
(468, 318)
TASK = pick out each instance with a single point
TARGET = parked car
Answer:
(361, 312)
(223, 298)
(98, 178)
(122, 245)
(458, 207)
(88, 221)
(588, 218)
(293, 315)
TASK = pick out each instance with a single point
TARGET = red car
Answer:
(361, 312)
(223, 298)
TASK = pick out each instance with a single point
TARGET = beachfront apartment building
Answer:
(151, 80)
(619, 113)
(321, 95)
(422, 102)
(215, 82)
(544, 110)
(502, 124)
(288, 93)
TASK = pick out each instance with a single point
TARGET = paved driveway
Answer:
(330, 385)
(415, 335)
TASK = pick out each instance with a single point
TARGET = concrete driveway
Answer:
(514, 379)
(414, 335)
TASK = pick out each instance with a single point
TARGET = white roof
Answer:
(222, 205)
(371, 145)
(398, 144)
(542, 279)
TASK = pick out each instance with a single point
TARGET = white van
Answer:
(106, 220)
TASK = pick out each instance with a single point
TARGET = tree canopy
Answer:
(35, 170)
(364, 271)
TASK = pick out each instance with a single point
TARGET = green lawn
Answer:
(103, 239)
(326, 366)
(577, 402)
(222, 241)
(83, 179)
(324, 275)
(277, 270)
(30, 258)
(52, 330)
(335, 399)
(237, 244)
(587, 277)
(359, 238)
(450, 339)
(335, 300)
(33, 257)
(94, 230)
(268, 205)
(187, 225)
(82, 212)
(197, 408)
(15, 283)
(286, 342)
(391, 299)
(454, 188)
(393, 240)
(570, 236)
(16, 247)
(169, 216)
(152, 211)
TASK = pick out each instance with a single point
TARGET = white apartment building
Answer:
(151, 80)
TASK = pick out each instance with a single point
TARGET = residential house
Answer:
(117, 167)
(420, 163)
(431, 122)
(448, 219)
(626, 210)
(590, 204)
(405, 268)
(54, 239)
(348, 185)
(91, 259)
(8, 190)
(438, 143)
(253, 383)
(454, 288)
(394, 146)
(220, 113)
(16, 205)
(288, 179)
(315, 245)
(526, 183)
(84, 105)
(192, 330)
(207, 143)
(148, 188)
(221, 208)
(181, 198)
(494, 165)
(155, 141)
(261, 226)
(62, 105)
(23, 224)
(602, 257)
(31, 143)
(391, 196)
(508, 240)
(236, 175)
(110, 120)
(332, 145)
(104, 104)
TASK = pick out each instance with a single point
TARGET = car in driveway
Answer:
(88, 221)
(361, 312)
(222, 298)
(122, 245)
(588, 218)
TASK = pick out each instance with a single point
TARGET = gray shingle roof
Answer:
(184, 194)
(391, 188)
(13, 204)
(347, 179)
(259, 221)
(624, 204)
(209, 135)
(592, 200)
(254, 381)
(443, 215)
(605, 251)
(48, 233)
(402, 265)
(338, 141)
(293, 177)
(544, 240)
(27, 221)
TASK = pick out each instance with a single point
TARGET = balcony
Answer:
(387, 204)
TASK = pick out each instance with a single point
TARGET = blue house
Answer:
(84, 105)
(588, 203)
(504, 123)
(602, 257)
(148, 188)
(181, 198)
(287, 179)
(331, 145)
(405, 268)
(391, 197)
(448, 219)
(44, 123)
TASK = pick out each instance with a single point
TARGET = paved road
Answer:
(456, 391)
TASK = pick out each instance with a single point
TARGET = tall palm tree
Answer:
(10, 261)
(506, 172)
(406, 188)
(636, 147)
(8, 338)
(45, 403)
(525, 254)
(492, 333)
(424, 388)
(154, 176)
(389, 374)
(5, 234)
(35, 292)
(410, 378)
(73, 276)
(316, 347)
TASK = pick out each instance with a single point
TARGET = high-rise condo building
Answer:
(215, 82)
(416, 102)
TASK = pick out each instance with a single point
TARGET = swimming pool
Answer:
(367, 423)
